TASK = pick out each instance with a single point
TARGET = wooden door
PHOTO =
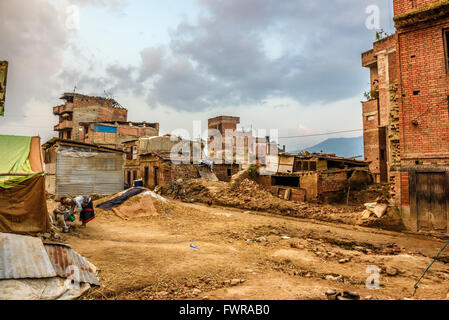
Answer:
(431, 201)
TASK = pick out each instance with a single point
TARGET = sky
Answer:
(292, 66)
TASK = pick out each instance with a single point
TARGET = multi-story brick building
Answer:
(99, 121)
(231, 150)
(417, 113)
(423, 61)
(379, 113)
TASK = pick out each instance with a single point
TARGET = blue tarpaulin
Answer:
(107, 129)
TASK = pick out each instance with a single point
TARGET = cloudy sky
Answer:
(288, 65)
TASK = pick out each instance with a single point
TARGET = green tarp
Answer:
(14, 153)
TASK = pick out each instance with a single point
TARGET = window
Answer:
(446, 49)
(69, 134)
(229, 172)
(286, 181)
(86, 132)
(146, 176)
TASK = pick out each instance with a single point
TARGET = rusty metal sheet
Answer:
(23, 257)
(69, 263)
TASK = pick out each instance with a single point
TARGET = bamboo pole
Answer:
(15, 174)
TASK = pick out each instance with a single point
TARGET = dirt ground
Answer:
(196, 251)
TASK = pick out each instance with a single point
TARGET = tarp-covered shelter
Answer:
(23, 206)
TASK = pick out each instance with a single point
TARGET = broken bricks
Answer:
(332, 294)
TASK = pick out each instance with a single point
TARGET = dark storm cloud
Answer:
(222, 58)
(32, 39)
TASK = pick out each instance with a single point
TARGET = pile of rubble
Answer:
(251, 196)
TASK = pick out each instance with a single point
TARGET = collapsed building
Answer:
(311, 177)
(77, 168)
(406, 119)
(97, 120)
(159, 161)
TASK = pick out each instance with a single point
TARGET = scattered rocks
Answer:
(235, 282)
(297, 245)
(391, 271)
(338, 278)
(344, 260)
(332, 294)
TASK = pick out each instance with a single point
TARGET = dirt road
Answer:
(193, 251)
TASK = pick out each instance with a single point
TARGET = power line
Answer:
(321, 134)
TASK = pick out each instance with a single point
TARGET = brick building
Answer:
(97, 120)
(159, 161)
(417, 95)
(380, 113)
(231, 149)
(423, 62)
(301, 177)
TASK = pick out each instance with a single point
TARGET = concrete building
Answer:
(412, 73)
(98, 120)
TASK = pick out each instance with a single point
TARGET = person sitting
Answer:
(64, 212)
(85, 208)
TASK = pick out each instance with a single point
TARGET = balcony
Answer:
(68, 107)
(368, 58)
(63, 125)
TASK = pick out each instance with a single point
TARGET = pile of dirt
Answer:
(249, 195)
(144, 204)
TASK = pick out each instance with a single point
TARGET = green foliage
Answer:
(371, 95)
(252, 172)
(381, 35)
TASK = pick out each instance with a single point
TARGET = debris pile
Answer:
(133, 203)
(251, 196)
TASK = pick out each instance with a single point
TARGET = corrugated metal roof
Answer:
(23, 257)
(66, 261)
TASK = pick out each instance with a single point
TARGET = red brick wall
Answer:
(405, 6)
(423, 96)
(332, 181)
(371, 135)
(221, 171)
(423, 69)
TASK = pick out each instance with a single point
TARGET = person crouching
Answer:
(85, 208)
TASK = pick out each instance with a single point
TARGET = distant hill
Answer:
(342, 147)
